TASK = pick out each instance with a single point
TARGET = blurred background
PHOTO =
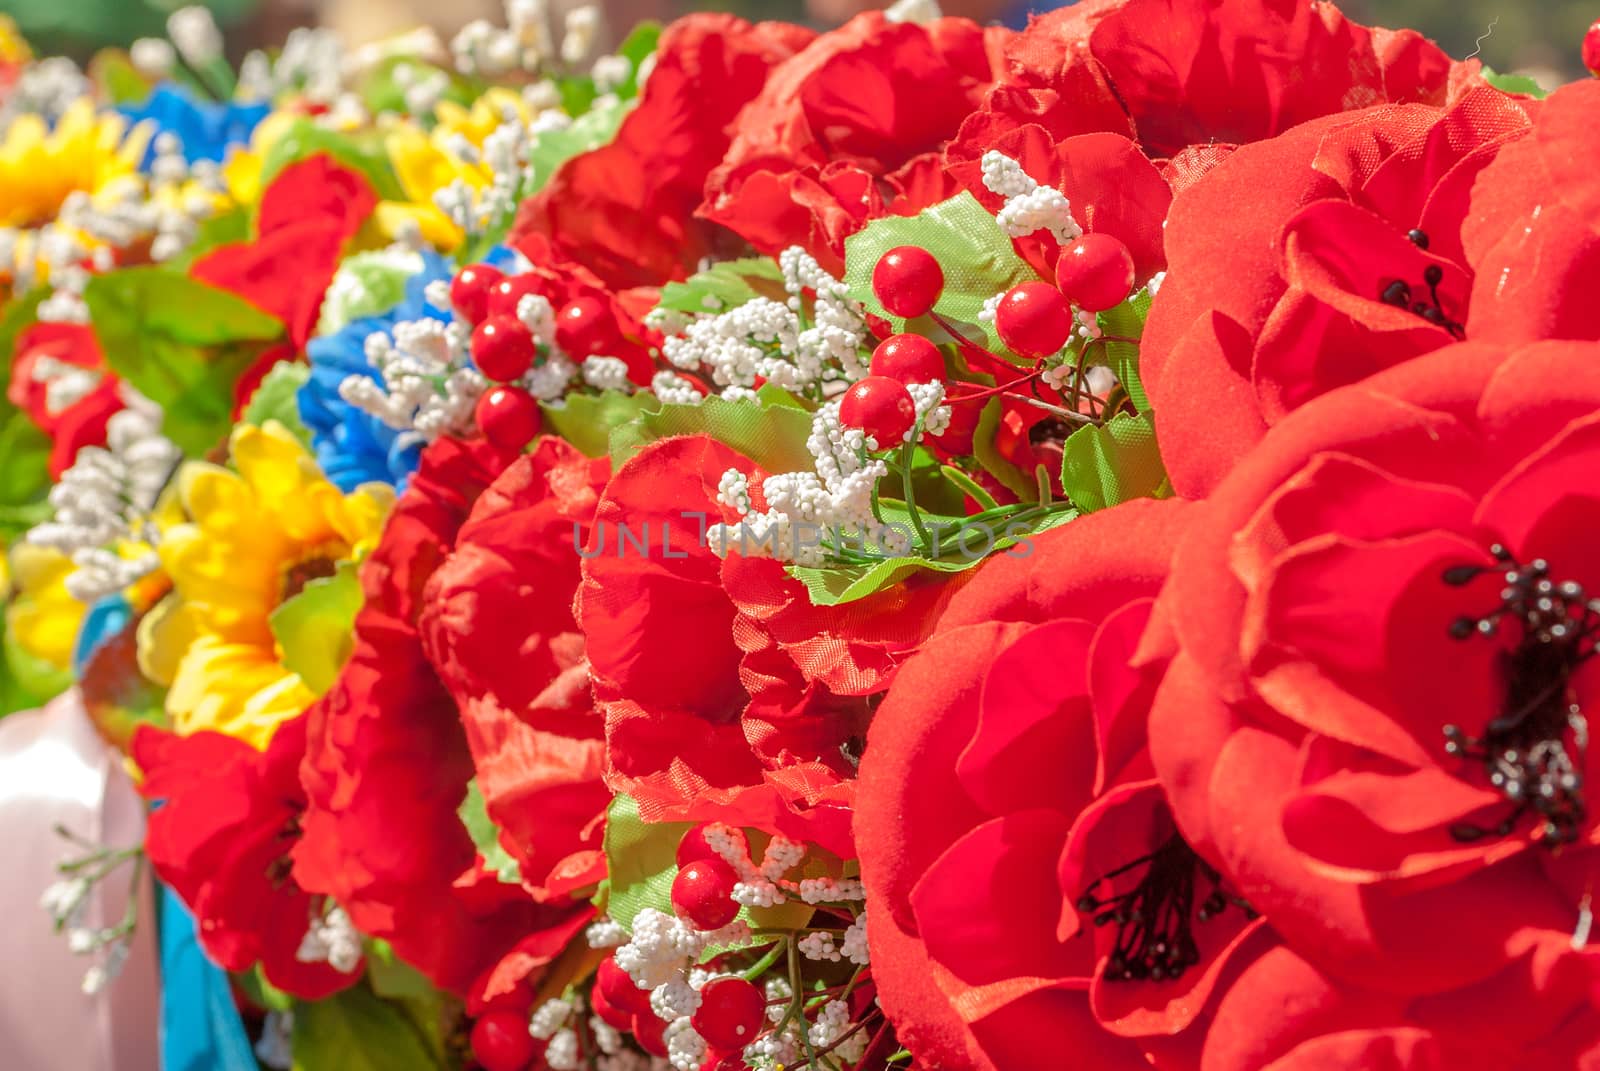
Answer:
(1540, 38)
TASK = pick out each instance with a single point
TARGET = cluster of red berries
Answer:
(1094, 273)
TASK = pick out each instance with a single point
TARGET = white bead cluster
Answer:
(834, 341)
(775, 1050)
(46, 89)
(104, 501)
(275, 1047)
(674, 389)
(663, 947)
(196, 35)
(549, 1017)
(312, 63)
(332, 939)
(920, 12)
(758, 338)
(605, 932)
(686, 1049)
(831, 1024)
(831, 890)
(427, 385)
(678, 996)
(933, 416)
(1029, 206)
(562, 1052)
(605, 373)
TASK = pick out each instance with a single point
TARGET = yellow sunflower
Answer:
(254, 536)
(40, 168)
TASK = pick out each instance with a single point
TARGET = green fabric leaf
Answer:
(276, 399)
(976, 255)
(725, 285)
(366, 284)
(117, 78)
(774, 437)
(26, 681)
(1519, 84)
(219, 230)
(363, 153)
(314, 629)
(181, 343)
(578, 94)
(1019, 483)
(1127, 320)
(1102, 466)
(590, 130)
(356, 1030)
(262, 993)
(392, 977)
(25, 473)
(20, 314)
(636, 48)
(485, 834)
(587, 420)
(641, 864)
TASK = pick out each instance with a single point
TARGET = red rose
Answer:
(626, 210)
(1373, 726)
(1025, 719)
(387, 753)
(498, 625)
(1309, 261)
(727, 695)
(1534, 231)
(59, 378)
(222, 841)
(848, 130)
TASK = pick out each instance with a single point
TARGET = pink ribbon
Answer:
(54, 769)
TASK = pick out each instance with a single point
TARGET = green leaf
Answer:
(1519, 84)
(636, 48)
(363, 153)
(485, 834)
(578, 94)
(590, 130)
(641, 864)
(392, 977)
(181, 343)
(976, 255)
(262, 993)
(20, 314)
(1127, 320)
(774, 437)
(1010, 476)
(33, 679)
(277, 399)
(118, 79)
(25, 473)
(1102, 466)
(587, 420)
(725, 285)
(366, 284)
(314, 629)
(219, 230)
(358, 1031)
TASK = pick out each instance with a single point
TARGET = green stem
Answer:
(766, 961)
(907, 453)
(973, 488)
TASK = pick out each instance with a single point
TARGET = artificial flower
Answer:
(251, 538)
(626, 211)
(221, 840)
(204, 129)
(41, 618)
(60, 379)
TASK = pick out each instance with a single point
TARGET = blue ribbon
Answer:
(200, 1025)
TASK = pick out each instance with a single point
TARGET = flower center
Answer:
(1155, 919)
(1401, 294)
(1527, 752)
(304, 571)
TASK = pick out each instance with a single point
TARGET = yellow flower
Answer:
(253, 537)
(42, 619)
(40, 167)
(14, 50)
(426, 163)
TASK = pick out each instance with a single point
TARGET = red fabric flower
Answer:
(308, 213)
(727, 695)
(49, 357)
(222, 841)
(1371, 725)
(1025, 718)
(498, 625)
(1193, 72)
(850, 129)
(1309, 261)
(626, 210)
(387, 764)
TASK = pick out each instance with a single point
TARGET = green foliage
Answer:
(725, 285)
(315, 628)
(485, 835)
(276, 399)
(363, 153)
(356, 1030)
(773, 436)
(1102, 466)
(587, 420)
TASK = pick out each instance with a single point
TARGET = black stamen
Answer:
(1525, 750)
(1418, 238)
(1398, 293)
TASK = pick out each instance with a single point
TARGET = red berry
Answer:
(703, 893)
(508, 417)
(585, 328)
(648, 1029)
(881, 407)
(617, 1017)
(501, 1042)
(1034, 319)
(469, 290)
(507, 294)
(1591, 49)
(693, 846)
(908, 280)
(619, 989)
(730, 1013)
(1095, 272)
(502, 348)
(908, 358)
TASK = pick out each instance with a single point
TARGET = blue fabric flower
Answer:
(206, 129)
(354, 447)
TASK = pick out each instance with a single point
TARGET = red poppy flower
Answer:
(1193, 72)
(1343, 253)
(849, 129)
(1028, 715)
(498, 625)
(626, 210)
(727, 695)
(1374, 726)
(222, 841)
(387, 752)
(1535, 227)
(59, 378)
